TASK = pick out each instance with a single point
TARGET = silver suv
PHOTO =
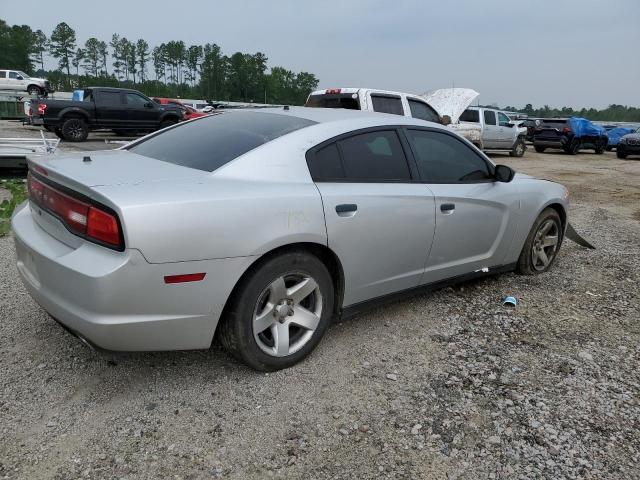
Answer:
(21, 82)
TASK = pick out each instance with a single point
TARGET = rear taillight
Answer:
(83, 219)
(566, 130)
(42, 107)
(103, 226)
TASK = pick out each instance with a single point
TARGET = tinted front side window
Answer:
(442, 158)
(374, 157)
(423, 111)
(470, 116)
(3, 74)
(489, 117)
(135, 100)
(13, 75)
(387, 104)
(210, 142)
(503, 120)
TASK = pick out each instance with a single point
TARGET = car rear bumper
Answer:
(117, 300)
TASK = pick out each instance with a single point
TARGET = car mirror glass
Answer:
(503, 173)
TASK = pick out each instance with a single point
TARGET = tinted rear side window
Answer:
(386, 104)
(423, 111)
(108, 98)
(210, 142)
(442, 158)
(489, 117)
(326, 164)
(470, 116)
(334, 101)
(374, 157)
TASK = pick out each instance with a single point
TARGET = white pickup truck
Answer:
(494, 130)
(18, 81)
(441, 106)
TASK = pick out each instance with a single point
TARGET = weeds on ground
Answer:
(18, 190)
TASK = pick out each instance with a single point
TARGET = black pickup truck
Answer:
(124, 111)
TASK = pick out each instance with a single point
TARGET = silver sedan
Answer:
(261, 226)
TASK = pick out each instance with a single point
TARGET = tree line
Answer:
(170, 69)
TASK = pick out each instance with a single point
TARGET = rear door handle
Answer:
(346, 209)
(447, 207)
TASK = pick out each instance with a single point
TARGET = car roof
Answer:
(326, 115)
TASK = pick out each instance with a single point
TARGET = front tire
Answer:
(279, 312)
(75, 130)
(542, 245)
(34, 90)
(620, 154)
(574, 147)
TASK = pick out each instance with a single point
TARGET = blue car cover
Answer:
(615, 134)
(585, 128)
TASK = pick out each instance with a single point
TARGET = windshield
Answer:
(212, 141)
(23, 75)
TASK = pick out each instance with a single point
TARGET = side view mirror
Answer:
(507, 125)
(149, 105)
(20, 77)
(504, 174)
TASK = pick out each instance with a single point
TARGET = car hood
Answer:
(450, 101)
(37, 79)
(635, 136)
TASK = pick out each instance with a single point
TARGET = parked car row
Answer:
(569, 134)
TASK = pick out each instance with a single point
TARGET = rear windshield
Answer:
(212, 141)
(333, 101)
(553, 123)
(470, 116)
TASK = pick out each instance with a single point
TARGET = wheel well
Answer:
(322, 252)
(563, 215)
(69, 115)
(34, 85)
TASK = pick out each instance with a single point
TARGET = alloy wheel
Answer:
(287, 314)
(545, 245)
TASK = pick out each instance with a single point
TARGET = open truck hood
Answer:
(450, 101)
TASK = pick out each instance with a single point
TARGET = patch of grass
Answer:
(18, 189)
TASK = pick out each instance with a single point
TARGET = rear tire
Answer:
(261, 322)
(574, 147)
(518, 148)
(539, 149)
(620, 154)
(600, 148)
(542, 245)
(75, 130)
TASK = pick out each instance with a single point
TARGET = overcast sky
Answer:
(556, 52)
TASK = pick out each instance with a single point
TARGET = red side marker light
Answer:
(186, 277)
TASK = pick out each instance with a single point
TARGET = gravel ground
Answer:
(445, 385)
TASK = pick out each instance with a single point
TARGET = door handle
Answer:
(447, 208)
(346, 209)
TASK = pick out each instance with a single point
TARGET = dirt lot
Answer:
(445, 385)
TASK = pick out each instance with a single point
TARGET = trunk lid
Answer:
(451, 101)
(85, 170)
